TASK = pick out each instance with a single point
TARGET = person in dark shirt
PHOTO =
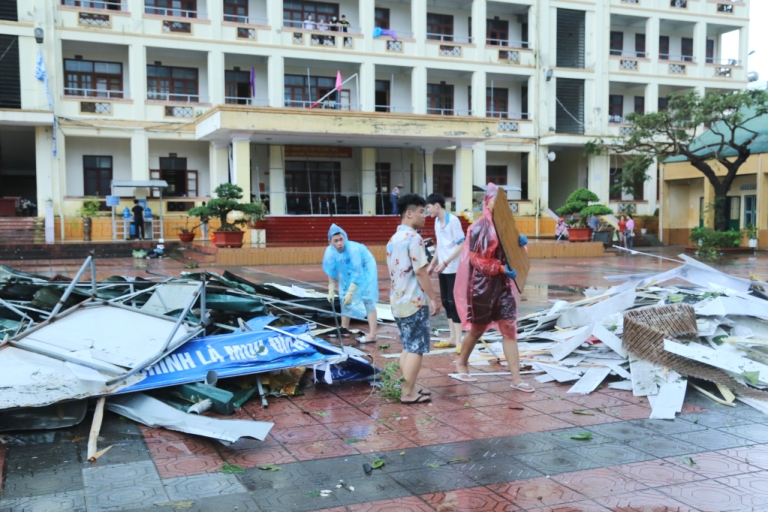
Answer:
(138, 219)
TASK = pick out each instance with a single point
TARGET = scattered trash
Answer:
(581, 436)
(231, 469)
(270, 467)
(377, 463)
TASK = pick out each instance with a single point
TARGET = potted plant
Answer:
(750, 231)
(89, 210)
(229, 234)
(185, 233)
(258, 220)
(578, 203)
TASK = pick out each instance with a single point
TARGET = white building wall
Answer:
(196, 154)
(78, 147)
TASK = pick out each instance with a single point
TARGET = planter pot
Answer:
(229, 238)
(87, 226)
(186, 237)
(753, 242)
(259, 224)
(580, 235)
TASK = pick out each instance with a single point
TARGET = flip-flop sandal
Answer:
(422, 399)
(464, 377)
(443, 344)
(425, 393)
(523, 386)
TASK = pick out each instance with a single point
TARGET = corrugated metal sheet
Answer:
(569, 113)
(571, 27)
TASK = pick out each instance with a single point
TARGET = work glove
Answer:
(523, 240)
(350, 293)
(510, 271)
(331, 292)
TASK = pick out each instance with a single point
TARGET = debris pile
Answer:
(162, 350)
(653, 338)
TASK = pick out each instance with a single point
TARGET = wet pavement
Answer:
(478, 446)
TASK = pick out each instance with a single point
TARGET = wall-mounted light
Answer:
(549, 74)
(39, 35)
(551, 156)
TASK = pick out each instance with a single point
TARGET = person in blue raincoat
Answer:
(353, 266)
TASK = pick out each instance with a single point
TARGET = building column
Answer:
(140, 161)
(462, 178)
(652, 31)
(429, 160)
(241, 163)
(368, 165)
(479, 16)
(417, 176)
(664, 232)
(478, 92)
(419, 25)
(276, 181)
(367, 98)
(479, 164)
(216, 15)
(761, 213)
(651, 186)
(538, 179)
(419, 89)
(216, 88)
(600, 177)
(275, 19)
(652, 97)
(366, 17)
(45, 167)
(700, 48)
(744, 46)
(218, 157)
(276, 80)
(136, 8)
(137, 64)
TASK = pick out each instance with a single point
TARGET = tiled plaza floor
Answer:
(478, 446)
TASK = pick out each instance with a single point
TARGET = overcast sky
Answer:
(758, 39)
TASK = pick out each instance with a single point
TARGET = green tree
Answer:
(713, 133)
(578, 203)
(227, 201)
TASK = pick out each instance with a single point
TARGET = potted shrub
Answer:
(185, 233)
(578, 203)
(228, 234)
(89, 210)
(750, 231)
(258, 220)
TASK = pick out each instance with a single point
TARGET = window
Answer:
(381, 17)
(640, 45)
(496, 103)
(524, 176)
(496, 174)
(168, 83)
(687, 49)
(181, 181)
(238, 87)
(662, 104)
(440, 27)
(306, 182)
(296, 11)
(750, 210)
(112, 5)
(497, 32)
(524, 34)
(710, 51)
(442, 179)
(664, 47)
(617, 43)
(97, 175)
(382, 96)
(440, 99)
(94, 79)
(177, 8)
(524, 102)
(615, 108)
(236, 10)
(640, 104)
(616, 194)
(295, 92)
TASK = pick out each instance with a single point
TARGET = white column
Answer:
(276, 79)
(137, 64)
(479, 164)
(215, 77)
(651, 186)
(478, 92)
(462, 178)
(419, 25)
(139, 155)
(275, 16)
(700, 48)
(45, 168)
(652, 33)
(744, 46)
(540, 168)
(241, 163)
(367, 98)
(419, 89)
(418, 173)
(479, 17)
(276, 181)
(136, 8)
(652, 97)
(599, 177)
(368, 158)
(429, 160)
(366, 15)
(216, 15)
(218, 156)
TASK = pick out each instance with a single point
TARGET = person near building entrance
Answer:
(449, 241)
(393, 197)
(411, 296)
(352, 267)
(204, 225)
(561, 229)
(138, 219)
(629, 234)
(622, 231)
(484, 293)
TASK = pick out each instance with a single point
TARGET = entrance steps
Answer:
(14, 230)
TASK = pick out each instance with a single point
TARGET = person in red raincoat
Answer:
(485, 294)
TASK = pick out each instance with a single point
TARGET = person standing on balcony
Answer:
(309, 23)
(393, 198)
(138, 219)
(449, 241)
(411, 296)
(334, 24)
(344, 23)
(484, 294)
(352, 267)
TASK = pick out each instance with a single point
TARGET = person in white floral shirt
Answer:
(411, 296)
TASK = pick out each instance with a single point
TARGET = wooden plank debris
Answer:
(509, 237)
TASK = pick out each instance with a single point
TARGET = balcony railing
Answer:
(507, 43)
(449, 38)
(393, 109)
(724, 62)
(94, 93)
(629, 54)
(174, 13)
(617, 120)
(321, 105)
(245, 20)
(681, 4)
(498, 114)
(174, 97)
(251, 102)
(111, 5)
(313, 26)
(448, 112)
(676, 58)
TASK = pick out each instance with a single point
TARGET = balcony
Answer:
(629, 62)
(310, 34)
(676, 65)
(450, 46)
(106, 14)
(238, 28)
(177, 22)
(402, 43)
(725, 8)
(724, 68)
